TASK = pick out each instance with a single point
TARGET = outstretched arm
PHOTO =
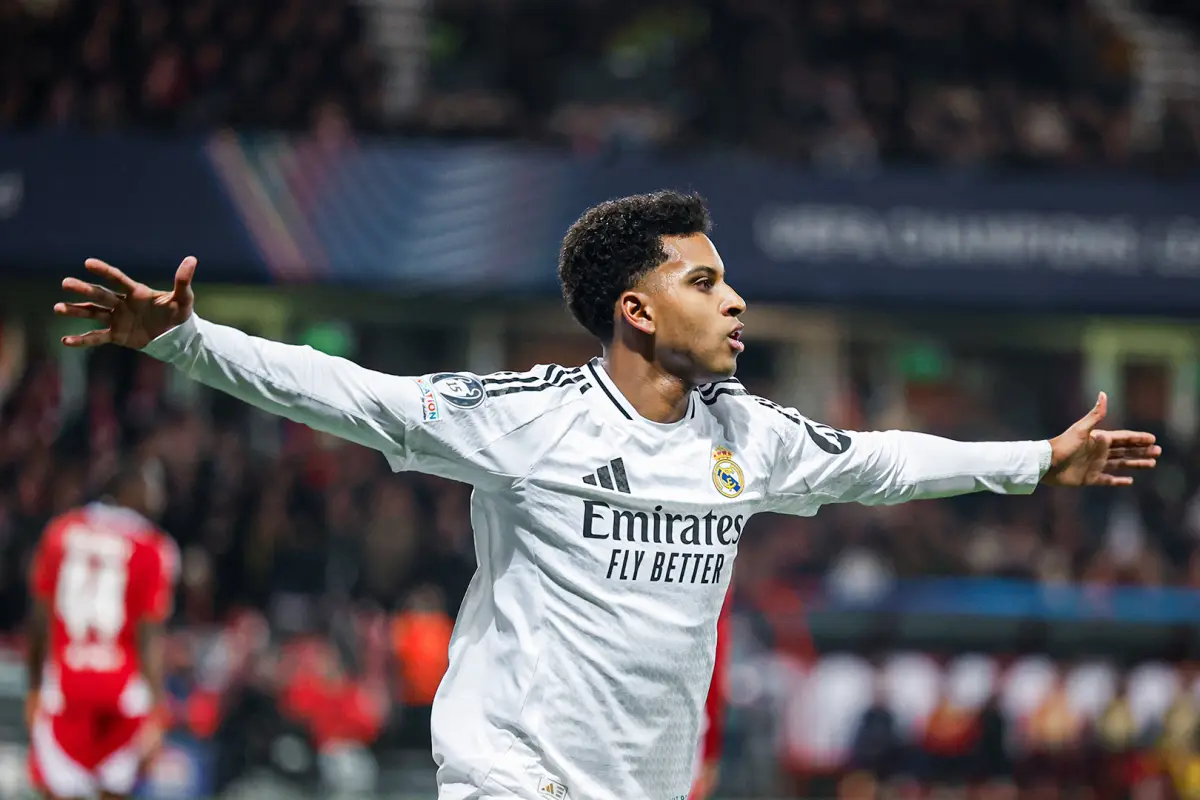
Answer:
(438, 424)
(304, 385)
(822, 465)
(299, 383)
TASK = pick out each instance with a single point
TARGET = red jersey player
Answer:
(708, 757)
(102, 584)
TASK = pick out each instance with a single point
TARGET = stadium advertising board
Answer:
(145, 203)
(997, 598)
(489, 218)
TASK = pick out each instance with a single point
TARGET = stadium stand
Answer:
(835, 84)
(832, 83)
(104, 64)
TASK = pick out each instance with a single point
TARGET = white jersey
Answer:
(583, 651)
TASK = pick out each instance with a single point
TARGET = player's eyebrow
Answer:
(703, 269)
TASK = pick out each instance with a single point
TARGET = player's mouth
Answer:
(735, 339)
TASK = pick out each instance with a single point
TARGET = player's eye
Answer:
(704, 283)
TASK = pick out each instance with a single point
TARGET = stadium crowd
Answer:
(841, 85)
(908, 722)
(181, 67)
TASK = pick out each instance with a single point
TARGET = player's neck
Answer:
(654, 393)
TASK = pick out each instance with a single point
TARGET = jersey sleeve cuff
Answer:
(173, 343)
(1044, 456)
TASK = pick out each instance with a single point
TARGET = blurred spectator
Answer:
(1179, 745)
(391, 543)
(876, 746)
(1116, 741)
(420, 642)
(993, 764)
(1053, 737)
(951, 734)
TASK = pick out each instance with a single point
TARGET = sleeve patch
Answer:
(458, 389)
(429, 400)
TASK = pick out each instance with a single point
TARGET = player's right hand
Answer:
(132, 317)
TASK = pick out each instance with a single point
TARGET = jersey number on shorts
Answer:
(90, 599)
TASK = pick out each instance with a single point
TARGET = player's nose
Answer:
(734, 304)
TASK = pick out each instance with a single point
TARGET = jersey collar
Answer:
(609, 398)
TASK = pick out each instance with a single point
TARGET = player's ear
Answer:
(634, 308)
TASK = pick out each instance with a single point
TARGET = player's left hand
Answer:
(1084, 456)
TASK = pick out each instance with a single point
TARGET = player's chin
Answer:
(718, 367)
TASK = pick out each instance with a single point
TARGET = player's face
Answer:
(694, 311)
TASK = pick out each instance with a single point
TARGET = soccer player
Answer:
(609, 497)
(102, 581)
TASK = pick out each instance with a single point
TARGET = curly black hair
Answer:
(613, 245)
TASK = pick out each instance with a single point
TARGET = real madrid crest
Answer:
(727, 475)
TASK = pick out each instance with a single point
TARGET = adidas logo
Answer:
(550, 788)
(611, 476)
